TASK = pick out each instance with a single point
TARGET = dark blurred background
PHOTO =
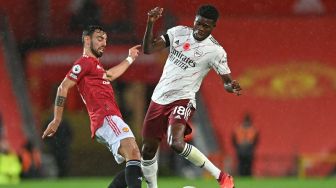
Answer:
(282, 52)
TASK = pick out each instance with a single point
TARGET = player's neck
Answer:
(88, 53)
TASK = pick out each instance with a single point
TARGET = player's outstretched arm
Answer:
(231, 86)
(62, 92)
(151, 44)
(116, 71)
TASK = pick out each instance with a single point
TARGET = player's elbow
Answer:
(62, 89)
(147, 51)
(228, 87)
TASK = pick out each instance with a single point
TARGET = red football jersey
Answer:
(97, 93)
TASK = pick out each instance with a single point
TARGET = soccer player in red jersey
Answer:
(193, 53)
(107, 125)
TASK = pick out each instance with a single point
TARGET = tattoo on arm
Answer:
(60, 100)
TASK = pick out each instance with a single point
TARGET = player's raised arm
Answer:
(62, 92)
(231, 86)
(116, 71)
(151, 44)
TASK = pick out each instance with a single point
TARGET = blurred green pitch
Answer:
(175, 182)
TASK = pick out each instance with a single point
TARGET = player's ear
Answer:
(87, 40)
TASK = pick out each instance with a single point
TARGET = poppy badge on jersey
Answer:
(186, 46)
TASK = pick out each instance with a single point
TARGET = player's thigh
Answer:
(155, 122)
(180, 114)
(111, 133)
(176, 131)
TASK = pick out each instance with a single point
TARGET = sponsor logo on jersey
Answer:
(180, 59)
(177, 42)
(76, 69)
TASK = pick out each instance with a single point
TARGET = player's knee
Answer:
(135, 153)
(177, 145)
(148, 152)
(129, 149)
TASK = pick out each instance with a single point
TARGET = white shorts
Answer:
(111, 132)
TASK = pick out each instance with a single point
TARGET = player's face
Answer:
(98, 43)
(202, 27)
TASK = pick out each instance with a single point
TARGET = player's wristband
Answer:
(129, 60)
(228, 87)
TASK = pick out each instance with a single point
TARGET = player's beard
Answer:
(95, 52)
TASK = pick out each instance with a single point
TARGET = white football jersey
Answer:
(187, 64)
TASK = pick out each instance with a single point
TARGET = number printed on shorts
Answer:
(180, 110)
(183, 111)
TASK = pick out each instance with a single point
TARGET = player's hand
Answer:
(134, 52)
(236, 87)
(155, 14)
(51, 129)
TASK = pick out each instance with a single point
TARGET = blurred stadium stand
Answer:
(15, 104)
(281, 51)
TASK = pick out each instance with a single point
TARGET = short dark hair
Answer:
(209, 12)
(89, 30)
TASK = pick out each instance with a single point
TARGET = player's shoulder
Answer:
(83, 63)
(213, 41)
(84, 60)
(215, 44)
(181, 29)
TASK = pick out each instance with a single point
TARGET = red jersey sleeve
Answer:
(79, 69)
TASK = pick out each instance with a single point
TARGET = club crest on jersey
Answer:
(198, 53)
(186, 46)
(125, 129)
(76, 69)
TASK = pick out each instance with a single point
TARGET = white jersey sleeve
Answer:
(220, 64)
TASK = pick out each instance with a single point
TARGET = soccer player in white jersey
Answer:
(193, 53)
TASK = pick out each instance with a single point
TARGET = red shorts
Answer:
(158, 118)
